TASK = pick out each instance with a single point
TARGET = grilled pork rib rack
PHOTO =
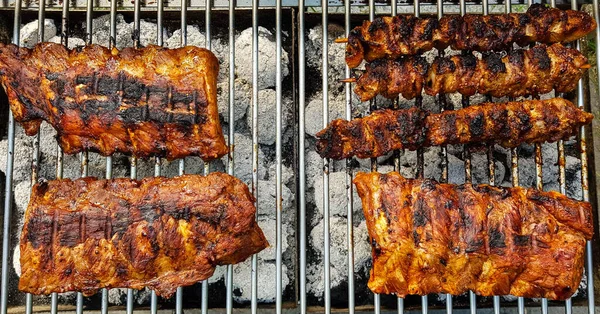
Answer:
(88, 234)
(392, 37)
(508, 124)
(441, 238)
(535, 71)
(149, 102)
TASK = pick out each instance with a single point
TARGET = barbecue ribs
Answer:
(508, 124)
(440, 238)
(535, 71)
(161, 233)
(402, 35)
(149, 102)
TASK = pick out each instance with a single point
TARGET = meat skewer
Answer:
(149, 102)
(161, 233)
(535, 71)
(508, 124)
(392, 37)
(429, 237)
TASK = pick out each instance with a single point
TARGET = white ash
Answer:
(266, 287)
(287, 174)
(267, 116)
(72, 42)
(101, 32)
(243, 159)
(267, 201)
(336, 54)
(338, 198)
(268, 226)
(267, 62)
(243, 98)
(149, 33)
(338, 255)
(29, 32)
(336, 110)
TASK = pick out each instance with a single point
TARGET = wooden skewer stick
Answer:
(348, 80)
(341, 40)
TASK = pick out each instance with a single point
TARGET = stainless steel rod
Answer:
(109, 164)
(157, 171)
(89, 21)
(207, 23)
(521, 305)
(400, 305)
(159, 24)
(8, 186)
(444, 151)
(35, 163)
(157, 161)
(325, 89)
(301, 137)
(231, 138)
(181, 166)
(424, 304)
(208, 43)
(133, 166)
(589, 254)
(255, 69)
(349, 187)
(54, 303)
(279, 159)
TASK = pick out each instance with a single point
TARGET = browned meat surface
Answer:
(535, 71)
(441, 238)
(392, 37)
(508, 124)
(161, 233)
(145, 102)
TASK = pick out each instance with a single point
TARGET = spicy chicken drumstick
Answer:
(393, 37)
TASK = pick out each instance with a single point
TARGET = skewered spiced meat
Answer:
(535, 71)
(392, 37)
(508, 124)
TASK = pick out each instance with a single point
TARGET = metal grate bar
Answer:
(254, 274)
(8, 191)
(589, 255)
(325, 89)
(181, 168)
(207, 41)
(444, 151)
(133, 159)
(349, 188)
(301, 138)
(231, 138)
(278, 158)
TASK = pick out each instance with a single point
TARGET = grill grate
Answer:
(303, 7)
